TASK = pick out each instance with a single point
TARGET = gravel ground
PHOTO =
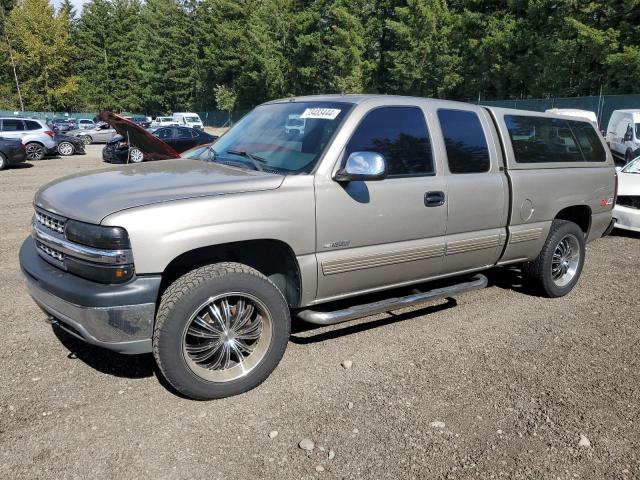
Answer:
(495, 383)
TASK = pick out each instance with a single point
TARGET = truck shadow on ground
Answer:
(106, 361)
(511, 278)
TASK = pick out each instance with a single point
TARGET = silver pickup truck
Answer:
(203, 262)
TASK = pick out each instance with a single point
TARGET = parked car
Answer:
(117, 149)
(102, 133)
(61, 125)
(36, 136)
(627, 210)
(68, 145)
(623, 133)
(141, 120)
(204, 262)
(86, 124)
(294, 125)
(188, 119)
(164, 122)
(12, 152)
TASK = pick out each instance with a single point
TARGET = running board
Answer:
(329, 318)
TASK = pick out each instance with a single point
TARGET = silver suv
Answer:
(35, 135)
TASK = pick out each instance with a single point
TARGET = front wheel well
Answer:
(273, 258)
(578, 214)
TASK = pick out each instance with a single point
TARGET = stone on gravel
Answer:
(273, 434)
(306, 444)
(584, 442)
(319, 468)
(436, 424)
(350, 405)
(347, 364)
(331, 455)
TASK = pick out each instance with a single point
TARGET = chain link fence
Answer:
(602, 105)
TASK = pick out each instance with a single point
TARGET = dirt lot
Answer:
(514, 380)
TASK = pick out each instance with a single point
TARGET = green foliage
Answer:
(158, 56)
(226, 98)
(42, 51)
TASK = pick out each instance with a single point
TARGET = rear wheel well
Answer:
(273, 258)
(578, 214)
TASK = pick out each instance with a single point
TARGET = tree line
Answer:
(160, 56)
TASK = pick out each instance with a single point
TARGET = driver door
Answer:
(375, 234)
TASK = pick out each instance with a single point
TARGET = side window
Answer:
(398, 133)
(589, 141)
(184, 133)
(464, 139)
(31, 125)
(541, 140)
(164, 133)
(11, 125)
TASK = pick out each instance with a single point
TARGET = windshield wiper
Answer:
(253, 158)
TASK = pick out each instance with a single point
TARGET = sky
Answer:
(76, 3)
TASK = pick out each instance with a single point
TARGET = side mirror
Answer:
(362, 166)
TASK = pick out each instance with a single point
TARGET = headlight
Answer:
(97, 236)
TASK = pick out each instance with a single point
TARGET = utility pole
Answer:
(13, 63)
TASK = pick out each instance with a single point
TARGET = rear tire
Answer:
(136, 155)
(220, 330)
(86, 139)
(35, 151)
(557, 268)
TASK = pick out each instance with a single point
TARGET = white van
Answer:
(577, 113)
(188, 119)
(623, 134)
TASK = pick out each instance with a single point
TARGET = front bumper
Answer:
(114, 155)
(16, 156)
(116, 317)
(627, 218)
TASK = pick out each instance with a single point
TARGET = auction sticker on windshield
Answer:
(323, 113)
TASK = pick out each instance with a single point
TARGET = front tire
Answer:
(136, 155)
(220, 330)
(3, 161)
(557, 268)
(66, 149)
(35, 151)
(86, 139)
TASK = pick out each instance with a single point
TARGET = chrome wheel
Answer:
(65, 148)
(135, 155)
(227, 337)
(86, 139)
(565, 261)
(35, 151)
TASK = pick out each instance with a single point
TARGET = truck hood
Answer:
(90, 197)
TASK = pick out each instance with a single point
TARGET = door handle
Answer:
(433, 199)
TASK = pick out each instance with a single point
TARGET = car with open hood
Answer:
(206, 262)
(180, 139)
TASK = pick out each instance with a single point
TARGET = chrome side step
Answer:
(329, 318)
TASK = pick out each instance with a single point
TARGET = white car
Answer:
(164, 122)
(627, 208)
(188, 119)
(85, 124)
(623, 134)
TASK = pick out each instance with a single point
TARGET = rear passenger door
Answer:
(478, 189)
(13, 128)
(377, 234)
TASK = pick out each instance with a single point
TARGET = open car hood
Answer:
(152, 147)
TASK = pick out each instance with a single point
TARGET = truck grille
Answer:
(49, 221)
(55, 254)
(631, 201)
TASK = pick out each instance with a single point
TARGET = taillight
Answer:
(50, 133)
(23, 146)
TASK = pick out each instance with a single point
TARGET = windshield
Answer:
(633, 166)
(192, 119)
(201, 152)
(263, 134)
(164, 119)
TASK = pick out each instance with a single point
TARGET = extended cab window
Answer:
(589, 141)
(542, 140)
(400, 135)
(465, 142)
